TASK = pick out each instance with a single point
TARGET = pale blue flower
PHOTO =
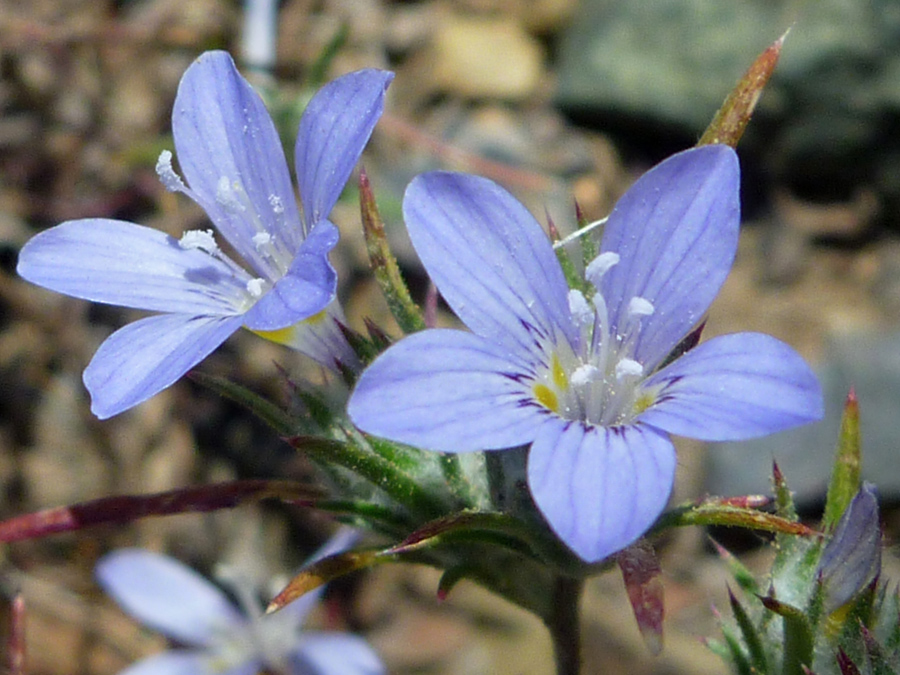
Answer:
(580, 379)
(234, 166)
(219, 639)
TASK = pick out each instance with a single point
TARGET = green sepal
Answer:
(451, 577)
(365, 348)
(376, 517)
(799, 639)
(880, 660)
(732, 651)
(574, 279)
(716, 512)
(845, 476)
(264, 409)
(752, 639)
(588, 243)
(378, 471)
(384, 264)
(731, 119)
(742, 575)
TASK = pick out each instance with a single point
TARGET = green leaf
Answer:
(799, 638)
(745, 579)
(384, 264)
(721, 512)
(267, 411)
(734, 651)
(731, 119)
(845, 476)
(752, 638)
(383, 474)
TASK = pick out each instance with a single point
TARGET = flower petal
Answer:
(336, 654)
(490, 259)
(144, 357)
(600, 488)
(445, 390)
(305, 290)
(334, 129)
(121, 263)
(174, 662)
(225, 139)
(676, 232)
(734, 387)
(164, 594)
(320, 338)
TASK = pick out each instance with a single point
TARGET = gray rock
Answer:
(871, 364)
(833, 101)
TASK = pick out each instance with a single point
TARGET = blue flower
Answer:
(234, 165)
(582, 379)
(218, 638)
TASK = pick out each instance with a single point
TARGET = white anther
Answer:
(277, 204)
(255, 287)
(628, 368)
(600, 266)
(261, 239)
(585, 374)
(200, 239)
(579, 308)
(638, 306)
(170, 180)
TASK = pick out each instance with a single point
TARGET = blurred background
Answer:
(559, 101)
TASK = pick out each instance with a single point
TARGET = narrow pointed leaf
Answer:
(574, 277)
(384, 474)
(731, 119)
(846, 664)
(745, 579)
(267, 411)
(784, 502)
(384, 264)
(320, 573)
(126, 508)
(714, 513)
(845, 476)
(798, 636)
(450, 578)
(751, 636)
(497, 528)
(736, 652)
(882, 662)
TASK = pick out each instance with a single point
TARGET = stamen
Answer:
(199, 239)
(585, 374)
(579, 308)
(600, 266)
(601, 339)
(638, 306)
(277, 204)
(170, 180)
(628, 368)
(255, 287)
(261, 239)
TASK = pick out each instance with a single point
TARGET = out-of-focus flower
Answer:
(231, 157)
(584, 380)
(218, 638)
